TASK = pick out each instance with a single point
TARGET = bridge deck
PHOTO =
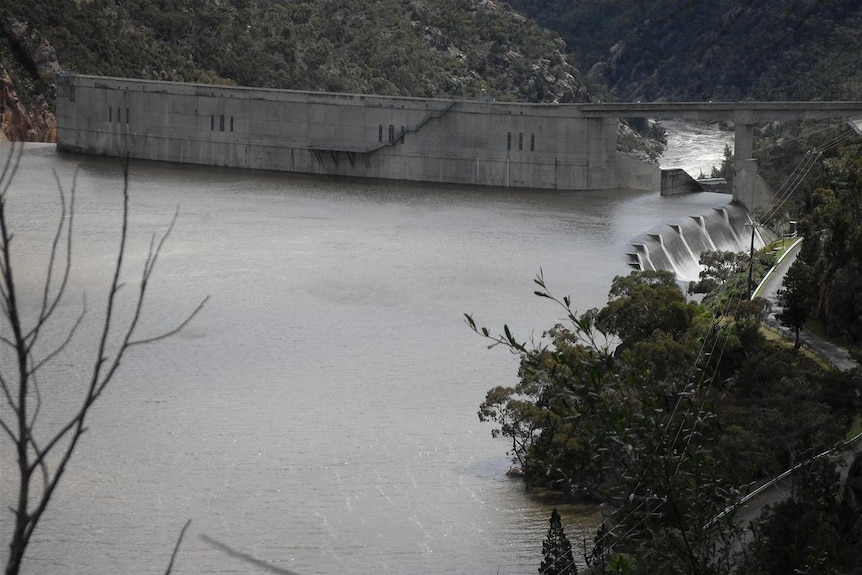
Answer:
(743, 112)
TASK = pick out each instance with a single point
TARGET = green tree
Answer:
(796, 298)
(718, 268)
(557, 550)
(515, 410)
(666, 427)
(426, 49)
(813, 531)
(832, 227)
(740, 49)
(554, 415)
(726, 169)
(642, 303)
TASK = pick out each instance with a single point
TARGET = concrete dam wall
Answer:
(540, 146)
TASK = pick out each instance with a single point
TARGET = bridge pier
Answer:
(744, 165)
(748, 188)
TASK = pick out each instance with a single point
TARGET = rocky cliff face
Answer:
(490, 46)
(26, 104)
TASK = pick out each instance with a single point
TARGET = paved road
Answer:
(778, 489)
(769, 289)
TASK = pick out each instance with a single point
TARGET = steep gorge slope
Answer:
(705, 50)
(426, 48)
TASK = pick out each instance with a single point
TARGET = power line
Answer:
(796, 177)
(719, 344)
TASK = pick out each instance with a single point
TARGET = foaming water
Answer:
(320, 414)
(677, 246)
(695, 147)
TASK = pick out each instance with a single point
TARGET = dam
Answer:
(508, 145)
(464, 142)
(568, 147)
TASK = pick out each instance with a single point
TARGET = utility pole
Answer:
(751, 261)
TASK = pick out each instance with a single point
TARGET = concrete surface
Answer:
(541, 146)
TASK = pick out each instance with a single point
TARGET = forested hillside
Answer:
(703, 50)
(667, 49)
(692, 405)
(461, 48)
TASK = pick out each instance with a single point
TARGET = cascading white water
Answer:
(676, 246)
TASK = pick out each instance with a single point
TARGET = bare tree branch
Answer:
(48, 307)
(8, 431)
(11, 314)
(177, 547)
(32, 335)
(174, 331)
(246, 557)
(22, 394)
(10, 167)
(7, 392)
(38, 396)
(59, 349)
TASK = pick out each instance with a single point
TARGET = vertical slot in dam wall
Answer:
(540, 146)
(677, 246)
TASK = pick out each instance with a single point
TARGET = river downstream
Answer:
(320, 413)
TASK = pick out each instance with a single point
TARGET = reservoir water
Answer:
(320, 413)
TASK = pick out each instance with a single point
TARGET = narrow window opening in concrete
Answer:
(231, 123)
(520, 141)
(508, 140)
(403, 133)
(221, 123)
(110, 113)
(532, 142)
(118, 115)
(391, 134)
(212, 123)
(380, 133)
(127, 115)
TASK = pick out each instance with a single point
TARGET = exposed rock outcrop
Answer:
(501, 62)
(639, 146)
(34, 51)
(33, 121)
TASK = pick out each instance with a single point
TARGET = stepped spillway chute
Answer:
(677, 246)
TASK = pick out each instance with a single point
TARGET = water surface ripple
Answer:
(320, 414)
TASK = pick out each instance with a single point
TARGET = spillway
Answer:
(677, 246)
